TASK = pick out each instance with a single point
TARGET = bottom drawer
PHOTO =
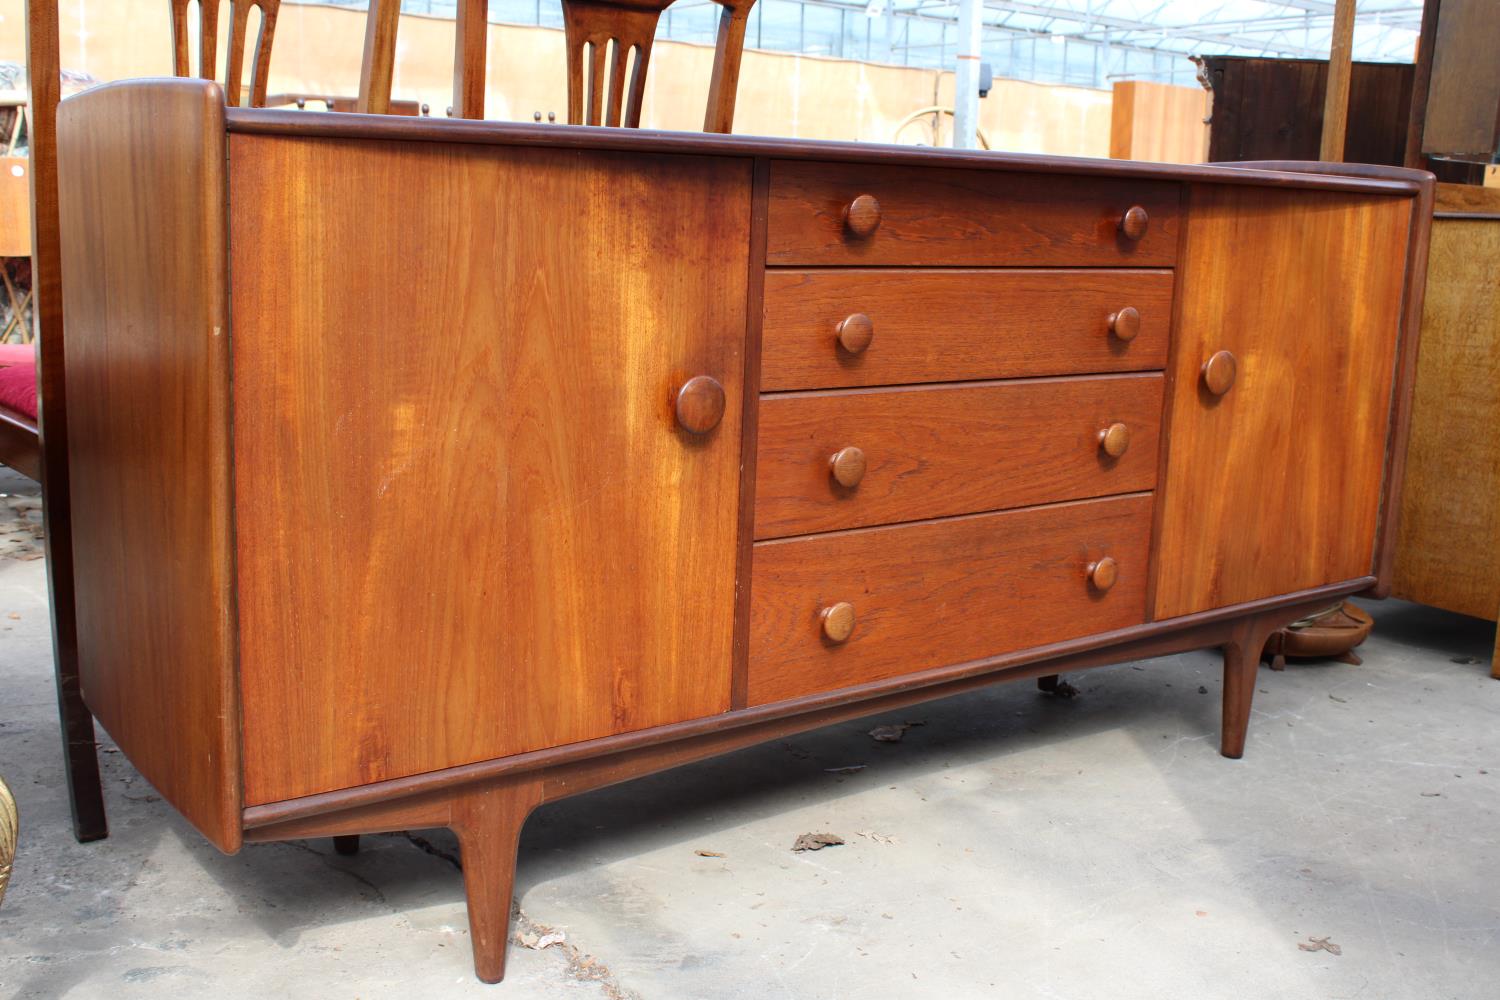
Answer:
(941, 592)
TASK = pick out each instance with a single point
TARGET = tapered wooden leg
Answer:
(346, 845)
(1048, 682)
(1495, 657)
(1241, 663)
(488, 825)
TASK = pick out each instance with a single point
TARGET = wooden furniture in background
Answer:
(608, 51)
(1273, 109)
(1450, 518)
(1158, 122)
(208, 40)
(1456, 102)
(1336, 95)
(627, 513)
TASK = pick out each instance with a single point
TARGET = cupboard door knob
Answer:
(1103, 574)
(862, 216)
(1219, 372)
(855, 333)
(1133, 222)
(838, 621)
(847, 465)
(700, 404)
(1125, 324)
(1114, 439)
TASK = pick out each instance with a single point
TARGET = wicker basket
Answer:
(9, 828)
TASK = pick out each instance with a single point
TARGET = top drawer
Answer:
(920, 217)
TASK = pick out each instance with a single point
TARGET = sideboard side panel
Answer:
(141, 198)
(1276, 486)
(469, 524)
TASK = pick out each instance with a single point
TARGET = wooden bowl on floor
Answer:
(1331, 634)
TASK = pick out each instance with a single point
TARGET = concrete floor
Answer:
(1012, 846)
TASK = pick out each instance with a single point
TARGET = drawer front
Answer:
(941, 450)
(928, 595)
(835, 213)
(832, 328)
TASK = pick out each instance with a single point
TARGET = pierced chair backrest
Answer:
(620, 31)
(208, 42)
(608, 48)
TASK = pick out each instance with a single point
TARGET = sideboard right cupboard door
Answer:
(1288, 316)
(492, 532)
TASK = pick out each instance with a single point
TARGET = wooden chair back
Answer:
(609, 49)
(208, 43)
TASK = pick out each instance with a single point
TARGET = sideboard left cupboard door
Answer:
(477, 513)
(1281, 374)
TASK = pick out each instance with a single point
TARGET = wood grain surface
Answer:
(141, 195)
(485, 535)
(955, 449)
(1449, 533)
(1276, 485)
(941, 592)
(952, 325)
(935, 217)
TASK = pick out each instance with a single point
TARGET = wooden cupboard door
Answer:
(1273, 482)
(470, 520)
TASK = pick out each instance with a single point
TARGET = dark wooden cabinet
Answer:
(426, 471)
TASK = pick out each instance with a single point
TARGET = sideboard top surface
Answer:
(341, 125)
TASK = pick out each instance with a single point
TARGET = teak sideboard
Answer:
(426, 471)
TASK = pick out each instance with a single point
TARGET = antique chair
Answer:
(208, 41)
(613, 37)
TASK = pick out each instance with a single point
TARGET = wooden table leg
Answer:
(1241, 664)
(488, 825)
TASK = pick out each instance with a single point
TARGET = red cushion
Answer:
(18, 378)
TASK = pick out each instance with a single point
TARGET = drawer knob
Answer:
(1114, 439)
(847, 467)
(1103, 574)
(855, 333)
(1133, 222)
(838, 622)
(700, 404)
(862, 216)
(1125, 324)
(1219, 372)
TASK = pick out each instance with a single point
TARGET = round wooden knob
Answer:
(1114, 439)
(862, 216)
(838, 621)
(1133, 222)
(700, 404)
(1125, 324)
(847, 467)
(855, 332)
(1104, 573)
(1219, 372)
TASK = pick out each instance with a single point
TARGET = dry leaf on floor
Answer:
(816, 841)
(892, 733)
(536, 942)
(879, 838)
(849, 769)
(1320, 944)
(710, 854)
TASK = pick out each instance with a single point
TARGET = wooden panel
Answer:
(977, 218)
(468, 525)
(931, 452)
(941, 592)
(1156, 121)
(1272, 109)
(1463, 103)
(1449, 531)
(946, 325)
(1275, 486)
(142, 208)
(15, 206)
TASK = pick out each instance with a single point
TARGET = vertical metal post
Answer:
(966, 76)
